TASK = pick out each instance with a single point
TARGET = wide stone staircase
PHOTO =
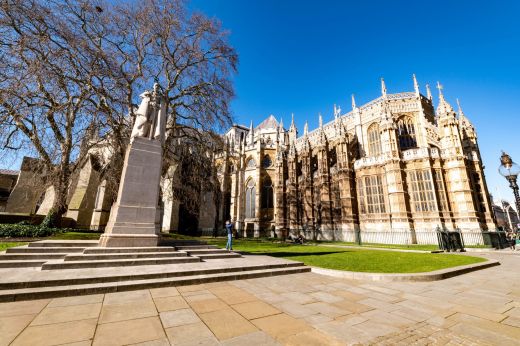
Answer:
(46, 269)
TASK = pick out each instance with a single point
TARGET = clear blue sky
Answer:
(304, 56)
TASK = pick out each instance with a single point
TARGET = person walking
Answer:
(229, 229)
(512, 239)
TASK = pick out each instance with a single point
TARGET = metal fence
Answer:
(448, 240)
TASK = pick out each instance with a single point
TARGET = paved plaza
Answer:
(479, 308)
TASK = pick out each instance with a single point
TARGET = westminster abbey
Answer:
(395, 169)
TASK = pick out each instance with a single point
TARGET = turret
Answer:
(387, 129)
(429, 92)
(251, 133)
(415, 86)
(293, 131)
(467, 131)
(448, 125)
(383, 87)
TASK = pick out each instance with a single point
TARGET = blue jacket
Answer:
(229, 228)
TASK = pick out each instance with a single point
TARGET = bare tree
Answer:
(71, 72)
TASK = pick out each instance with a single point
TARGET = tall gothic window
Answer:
(441, 191)
(267, 193)
(406, 133)
(361, 194)
(421, 190)
(374, 140)
(250, 199)
(371, 195)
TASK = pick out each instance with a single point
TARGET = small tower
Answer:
(429, 92)
(383, 87)
(415, 86)
(251, 133)
(293, 131)
(388, 128)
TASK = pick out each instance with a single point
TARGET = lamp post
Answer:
(506, 208)
(510, 171)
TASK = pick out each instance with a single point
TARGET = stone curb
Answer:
(429, 276)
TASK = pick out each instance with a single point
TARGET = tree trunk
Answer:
(59, 206)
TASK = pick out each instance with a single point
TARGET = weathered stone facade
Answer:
(395, 169)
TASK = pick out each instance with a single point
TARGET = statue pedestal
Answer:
(135, 217)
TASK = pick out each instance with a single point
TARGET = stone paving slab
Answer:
(478, 308)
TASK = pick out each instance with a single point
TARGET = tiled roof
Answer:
(269, 123)
(9, 172)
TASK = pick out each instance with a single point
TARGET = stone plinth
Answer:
(134, 220)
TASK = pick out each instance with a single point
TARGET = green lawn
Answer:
(390, 246)
(360, 260)
(6, 245)
(77, 235)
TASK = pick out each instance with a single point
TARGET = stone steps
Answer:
(115, 256)
(55, 250)
(218, 255)
(55, 265)
(196, 247)
(31, 256)
(21, 263)
(69, 289)
(108, 250)
(64, 243)
(197, 252)
(163, 274)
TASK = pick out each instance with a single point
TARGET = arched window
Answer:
(267, 162)
(267, 193)
(406, 133)
(250, 199)
(374, 140)
(251, 163)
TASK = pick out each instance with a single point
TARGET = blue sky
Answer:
(304, 56)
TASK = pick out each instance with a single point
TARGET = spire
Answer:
(440, 87)
(383, 87)
(415, 85)
(320, 120)
(306, 128)
(461, 113)
(462, 117)
(251, 133)
(281, 125)
(353, 102)
(429, 92)
(293, 127)
(444, 107)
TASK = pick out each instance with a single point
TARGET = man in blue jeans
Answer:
(229, 228)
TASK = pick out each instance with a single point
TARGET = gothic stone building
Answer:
(391, 171)
(395, 169)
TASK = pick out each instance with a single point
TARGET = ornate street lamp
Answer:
(510, 171)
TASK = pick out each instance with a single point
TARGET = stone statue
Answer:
(135, 214)
(142, 123)
(150, 121)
